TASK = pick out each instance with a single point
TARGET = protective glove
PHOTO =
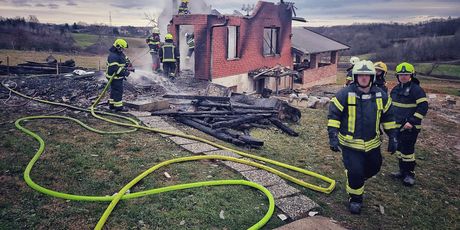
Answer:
(392, 144)
(334, 142)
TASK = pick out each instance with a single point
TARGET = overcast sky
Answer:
(318, 13)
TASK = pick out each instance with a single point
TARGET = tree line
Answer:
(29, 34)
(434, 40)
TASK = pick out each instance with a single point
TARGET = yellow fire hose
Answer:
(114, 199)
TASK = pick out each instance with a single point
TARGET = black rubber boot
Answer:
(121, 109)
(409, 180)
(355, 207)
(397, 175)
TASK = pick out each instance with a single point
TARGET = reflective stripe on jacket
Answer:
(169, 53)
(116, 64)
(357, 116)
(191, 43)
(410, 104)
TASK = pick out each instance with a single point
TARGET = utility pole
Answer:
(110, 18)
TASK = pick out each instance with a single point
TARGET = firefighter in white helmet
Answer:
(349, 79)
(153, 41)
(355, 115)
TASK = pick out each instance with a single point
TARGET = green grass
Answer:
(80, 162)
(85, 40)
(442, 69)
(432, 202)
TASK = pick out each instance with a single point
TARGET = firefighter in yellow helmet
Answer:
(169, 56)
(183, 8)
(118, 69)
(355, 115)
(381, 70)
(410, 106)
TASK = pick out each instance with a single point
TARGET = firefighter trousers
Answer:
(169, 69)
(406, 151)
(116, 93)
(360, 166)
(155, 61)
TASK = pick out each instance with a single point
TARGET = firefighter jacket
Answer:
(169, 52)
(410, 103)
(191, 42)
(381, 83)
(153, 41)
(116, 64)
(355, 117)
(183, 9)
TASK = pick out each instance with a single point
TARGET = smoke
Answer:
(170, 8)
(144, 76)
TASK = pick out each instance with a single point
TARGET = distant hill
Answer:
(435, 40)
(29, 34)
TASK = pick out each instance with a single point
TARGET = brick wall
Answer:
(250, 43)
(319, 76)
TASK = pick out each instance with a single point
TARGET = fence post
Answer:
(99, 64)
(8, 65)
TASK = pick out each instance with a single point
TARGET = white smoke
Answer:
(170, 8)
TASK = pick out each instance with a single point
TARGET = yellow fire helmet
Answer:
(169, 36)
(405, 68)
(121, 43)
(381, 66)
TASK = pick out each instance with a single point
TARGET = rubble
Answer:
(49, 67)
(74, 90)
(230, 118)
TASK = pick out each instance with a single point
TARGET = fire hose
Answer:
(134, 125)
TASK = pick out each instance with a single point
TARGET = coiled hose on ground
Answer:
(134, 125)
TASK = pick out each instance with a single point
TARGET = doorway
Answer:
(186, 48)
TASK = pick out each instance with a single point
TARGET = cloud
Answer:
(140, 4)
(71, 3)
(39, 5)
(53, 6)
(21, 3)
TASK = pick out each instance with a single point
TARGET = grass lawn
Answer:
(442, 69)
(85, 40)
(81, 162)
(432, 203)
(83, 60)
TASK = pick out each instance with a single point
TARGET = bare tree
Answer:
(152, 19)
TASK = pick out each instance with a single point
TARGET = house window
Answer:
(233, 33)
(271, 41)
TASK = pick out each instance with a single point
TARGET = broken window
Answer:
(271, 41)
(233, 33)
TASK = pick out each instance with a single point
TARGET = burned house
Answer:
(315, 57)
(229, 47)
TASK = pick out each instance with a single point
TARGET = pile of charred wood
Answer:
(230, 118)
(275, 72)
(29, 67)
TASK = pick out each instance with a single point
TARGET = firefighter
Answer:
(381, 70)
(117, 68)
(349, 79)
(190, 39)
(169, 56)
(153, 41)
(355, 115)
(183, 8)
(410, 106)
